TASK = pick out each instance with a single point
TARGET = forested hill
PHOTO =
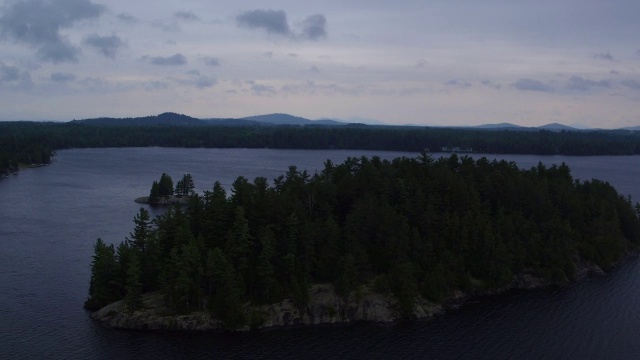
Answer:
(173, 119)
(411, 227)
(31, 142)
(164, 119)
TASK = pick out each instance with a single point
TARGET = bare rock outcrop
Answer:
(325, 307)
(154, 316)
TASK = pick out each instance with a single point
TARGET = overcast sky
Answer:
(442, 62)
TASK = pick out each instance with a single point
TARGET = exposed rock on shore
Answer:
(325, 307)
(154, 316)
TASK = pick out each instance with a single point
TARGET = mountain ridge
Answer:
(282, 119)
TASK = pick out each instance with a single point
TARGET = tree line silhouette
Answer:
(32, 142)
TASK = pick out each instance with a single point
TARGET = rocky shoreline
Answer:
(325, 307)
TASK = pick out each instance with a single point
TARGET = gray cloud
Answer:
(532, 85)
(173, 60)
(271, 21)
(456, 83)
(262, 90)
(58, 52)
(168, 26)
(631, 84)
(314, 27)
(491, 84)
(211, 61)
(156, 85)
(14, 77)
(62, 77)
(310, 87)
(9, 73)
(582, 84)
(202, 82)
(604, 56)
(614, 72)
(128, 19)
(94, 82)
(197, 80)
(186, 16)
(38, 24)
(107, 45)
(275, 22)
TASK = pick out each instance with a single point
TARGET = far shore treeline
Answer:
(27, 143)
(409, 227)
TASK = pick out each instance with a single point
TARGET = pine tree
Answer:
(141, 232)
(103, 277)
(133, 298)
(188, 185)
(165, 186)
(179, 188)
(266, 283)
(216, 216)
(154, 194)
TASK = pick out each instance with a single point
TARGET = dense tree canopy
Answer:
(32, 143)
(408, 227)
(23, 144)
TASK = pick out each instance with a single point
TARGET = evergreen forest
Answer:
(29, 143)
(409, 227)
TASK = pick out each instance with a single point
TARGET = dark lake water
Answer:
(51, 216)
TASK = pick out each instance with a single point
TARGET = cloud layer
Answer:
(173, 60)
(271, 21)
(532, 85)
(451, 63)
(313, 27)
(39, 23)
(106, 45)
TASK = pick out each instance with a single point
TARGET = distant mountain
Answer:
(286, 119)
(174, 119)
(232, 122)
(164, 119)
(557, 127)
(279, 119)
(513, 127)
(499, 126)
(581, 127)
(353, 121)
(329, 122)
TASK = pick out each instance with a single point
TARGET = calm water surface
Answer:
(51, 216)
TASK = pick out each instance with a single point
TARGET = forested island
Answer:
(29, 143)
(368, 239)
(163, 193)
